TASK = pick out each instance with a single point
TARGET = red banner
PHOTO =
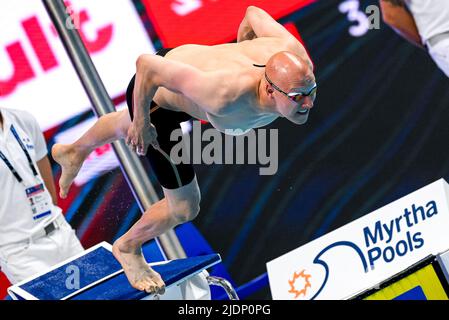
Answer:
(208, 22)
(4, 284)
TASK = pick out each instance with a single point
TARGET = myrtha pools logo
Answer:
(383, 242)
(298, 288)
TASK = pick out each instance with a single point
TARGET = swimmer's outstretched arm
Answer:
(257, 23)
(396, 14)
(206, 89)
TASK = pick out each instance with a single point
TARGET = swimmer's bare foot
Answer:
(139, 274)
(70, 159)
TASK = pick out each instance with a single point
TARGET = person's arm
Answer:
(47, 175)
(208, 90)
(398, 17)
(245, 31)
(257, 24)
(40, 148)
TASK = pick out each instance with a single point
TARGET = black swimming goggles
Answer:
(294, 96)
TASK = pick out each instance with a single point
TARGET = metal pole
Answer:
(130, 164)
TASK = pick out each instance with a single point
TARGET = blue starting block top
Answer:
(100, 277)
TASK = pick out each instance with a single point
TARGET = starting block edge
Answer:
(15, 291)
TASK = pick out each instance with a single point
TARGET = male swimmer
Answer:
(265, 75)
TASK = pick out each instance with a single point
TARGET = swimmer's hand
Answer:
(142, 134)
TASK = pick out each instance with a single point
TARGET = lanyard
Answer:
(10, 166)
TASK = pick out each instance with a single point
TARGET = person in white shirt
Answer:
(424, 23)
(34, 234)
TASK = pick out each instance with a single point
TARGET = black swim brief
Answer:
(165, 122)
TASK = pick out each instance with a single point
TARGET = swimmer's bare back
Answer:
(218, 83)
(236, 61)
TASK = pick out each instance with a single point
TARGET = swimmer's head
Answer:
(290, 83)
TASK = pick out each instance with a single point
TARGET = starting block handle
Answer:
(225, 284)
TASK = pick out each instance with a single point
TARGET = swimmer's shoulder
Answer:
(236, 86)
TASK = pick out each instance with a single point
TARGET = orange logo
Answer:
(297, 288)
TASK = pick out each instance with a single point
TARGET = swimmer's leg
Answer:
(179, 206)
(108, 128)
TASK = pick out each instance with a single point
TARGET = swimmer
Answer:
(267, 74)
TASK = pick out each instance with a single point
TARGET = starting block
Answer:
(96, 275)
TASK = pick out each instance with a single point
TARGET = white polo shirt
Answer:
(431, 17)
(17, 221)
